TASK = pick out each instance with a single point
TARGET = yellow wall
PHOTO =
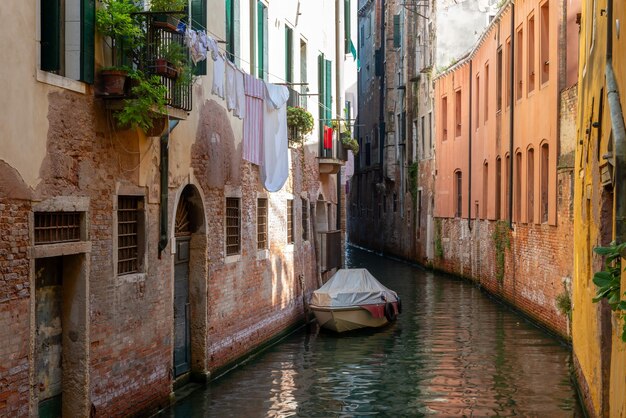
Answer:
(606, 398)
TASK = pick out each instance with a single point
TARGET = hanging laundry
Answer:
(231, 94)
(253, 123)
(212, 47)
(218, 77)
(328, 137)
(275, 168)
(240, 95)
(197, 43)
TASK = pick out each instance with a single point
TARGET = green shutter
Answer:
(346, 20)
(87, 21)
(328, 91)
(288, 54)
(230, 41)
(396, 31)
(321, 97)
(259, 39)
(198, 22)
(50, 35)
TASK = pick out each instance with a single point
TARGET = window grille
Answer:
(305, 220)
(233, 226)
(129, 224)
(54, 227)
(261, 221)
(290, 221)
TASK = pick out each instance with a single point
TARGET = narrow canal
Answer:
(452, 352)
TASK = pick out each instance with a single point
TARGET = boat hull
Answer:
(346, 319)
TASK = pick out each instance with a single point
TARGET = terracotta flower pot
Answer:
(113, 82)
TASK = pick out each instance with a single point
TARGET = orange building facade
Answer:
(504, 158)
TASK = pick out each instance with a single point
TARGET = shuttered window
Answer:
(305, 220)
(130, 234)
(288, 54)
(261, 221)
(67, 38)
(397, 31)
(198, 22)
(290, 221)
(262, 64)
(346, 30)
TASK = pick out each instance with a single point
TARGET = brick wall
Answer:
(14, 305)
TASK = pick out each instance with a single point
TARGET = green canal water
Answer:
(452, 352)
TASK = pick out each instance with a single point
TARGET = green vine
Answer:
(502, 241)
(413, 168)
(608, 280)
(438, 244)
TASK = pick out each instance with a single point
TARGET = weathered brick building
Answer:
(132, 264)
(505, 143)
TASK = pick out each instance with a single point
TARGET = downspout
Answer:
(339, 45)
(618, 131)
(469, 153)
(512, 114)
(164, 172)
(381, 104)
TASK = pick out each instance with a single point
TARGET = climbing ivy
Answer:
(438, 244)
(608, 280)
(502, 241)
(413, 180)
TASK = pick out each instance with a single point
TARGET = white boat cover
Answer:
(352, 287)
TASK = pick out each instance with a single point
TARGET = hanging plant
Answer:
(300, 123)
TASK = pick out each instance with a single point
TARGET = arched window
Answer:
(517, 199)
(498, 186)
(545, 162)
(530, 186)
(485, 188)
(458, 193)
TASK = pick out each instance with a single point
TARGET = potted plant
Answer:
(171, 59)
(117, 23)
(345, 135)
(172, 10)
(300, 123)
(146, 107)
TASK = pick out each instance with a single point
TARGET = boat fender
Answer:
(390, 312)
(399, 305)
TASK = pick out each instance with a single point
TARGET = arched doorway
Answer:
(189, 278)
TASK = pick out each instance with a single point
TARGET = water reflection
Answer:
(453, 352)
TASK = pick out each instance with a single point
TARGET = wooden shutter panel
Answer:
(321, 97)
(236, 30)
(87, 21)
(198, 22)
(329, 89)
(230, 41)
(346, 31)
(259, 40)
(50, 35)
(266, 67)
(396, 31)
(288, 54)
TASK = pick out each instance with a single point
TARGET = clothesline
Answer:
(197, 24)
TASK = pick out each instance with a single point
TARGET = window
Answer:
(419, 212)
(288, 54)
(346, 26)
(457, 113)
(545, 163)
(362, 36)
(130, 231)
(198, 22)
(54, 227)
(430, 131)
(397, 31)
(232, 30)
(530, 186)
(303, 76)
(261, 223)
(509, 93)
(485, 188)
(324, 77)
(545, 42)
(290, 221)
(67, 38)
(517, 201)
(233, 226)
(531, 53)
(444, 118)
(477, 108)
(458, 193)
(486, 112)
(518, 63)
(305, 220)
(498, 186)
(499, 81)
(261, 41)
(507, 176)
(423, 136)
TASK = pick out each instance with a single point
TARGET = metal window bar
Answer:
(233, 222)
(128, 208)
(55, 227)
(290, 221)
(261, 223)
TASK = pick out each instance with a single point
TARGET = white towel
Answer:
(240, 95)
(275, 169)
(218, 77)
(231, 92)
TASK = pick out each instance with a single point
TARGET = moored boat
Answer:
(353, 299)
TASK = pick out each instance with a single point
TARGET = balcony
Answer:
(331, 160)
(150, 58)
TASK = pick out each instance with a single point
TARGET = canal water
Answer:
(452, 352)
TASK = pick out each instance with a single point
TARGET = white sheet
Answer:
(275, 169)
(352, 287)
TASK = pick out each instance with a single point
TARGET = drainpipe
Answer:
(381, 104)
(469, 153)
(619, 133)
(339, 45)
(164, 171)
(511, 116)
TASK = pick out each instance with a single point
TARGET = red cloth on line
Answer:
(328, 137)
